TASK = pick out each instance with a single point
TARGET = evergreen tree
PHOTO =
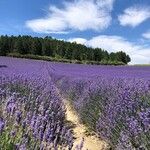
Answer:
(59, 49)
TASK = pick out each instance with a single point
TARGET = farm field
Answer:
(112, 102)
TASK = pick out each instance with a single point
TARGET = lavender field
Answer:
(112, 101)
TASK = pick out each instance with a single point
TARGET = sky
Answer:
(113, 25)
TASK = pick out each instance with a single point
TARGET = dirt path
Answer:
(90, 142)
(79, 130)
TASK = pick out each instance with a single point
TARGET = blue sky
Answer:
(113, 25)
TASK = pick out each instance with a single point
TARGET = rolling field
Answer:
(113, 102)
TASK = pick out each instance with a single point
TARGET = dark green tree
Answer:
(59, 49)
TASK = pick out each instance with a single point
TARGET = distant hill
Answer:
(27, 46)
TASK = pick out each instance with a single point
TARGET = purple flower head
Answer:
(18, 116)
(10, 105)
(12, 133)
(134, 126)
(17, 146)
(124, 142)
(24, 124)
(41, 135)
(22, 147)
(145, 119)
(2, 124)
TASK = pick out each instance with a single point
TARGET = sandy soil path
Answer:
(90, 142)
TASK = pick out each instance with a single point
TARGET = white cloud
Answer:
(146, 35)
(78, 15)
(139, 54)
(133, 16)
(107, 4)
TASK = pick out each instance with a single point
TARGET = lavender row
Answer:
(32, 115)
(112, 101)
(118, 109)
(23, 66)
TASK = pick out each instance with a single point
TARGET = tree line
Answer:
(58, 49)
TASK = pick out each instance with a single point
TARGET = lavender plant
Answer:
(32, 116)
(112, 101)
(111, 107)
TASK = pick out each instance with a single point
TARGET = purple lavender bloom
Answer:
(134, 126)
(12, 133)
(2, 124)
(145, 119)
(124, 142)
(10, 105)
(18, 116)
(114, 101)
(24, 124)
(22, 147)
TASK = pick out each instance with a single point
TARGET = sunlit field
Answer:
(112, 102)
